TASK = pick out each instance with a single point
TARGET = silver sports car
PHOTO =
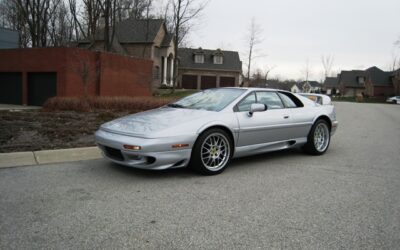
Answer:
(209, 128)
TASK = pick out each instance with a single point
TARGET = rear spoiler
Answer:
(318, 98)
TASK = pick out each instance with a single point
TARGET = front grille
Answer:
(114, 153)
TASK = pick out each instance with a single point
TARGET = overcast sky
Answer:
(359, 34)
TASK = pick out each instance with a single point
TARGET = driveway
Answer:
(348, 198)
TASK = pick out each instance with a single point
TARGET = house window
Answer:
(361, 80)
(199, 58)
(218, 59)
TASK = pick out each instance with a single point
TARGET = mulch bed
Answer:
(31, 130)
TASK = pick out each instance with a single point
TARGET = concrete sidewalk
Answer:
(17, 107)
(18, 159)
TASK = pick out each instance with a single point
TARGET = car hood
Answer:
(161, 122)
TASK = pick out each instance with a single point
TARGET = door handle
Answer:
(286, 116)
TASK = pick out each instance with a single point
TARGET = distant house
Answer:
(271, 84)
(396, 81)
(148, 39)
(9, 39)
(352, 83)
(296, 88)
(378, 82)
(205, 68)
(370, 82)
(331, 85)
(306, 87)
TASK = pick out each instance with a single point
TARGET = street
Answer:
(348, 198)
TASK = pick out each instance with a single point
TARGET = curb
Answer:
(18, 159)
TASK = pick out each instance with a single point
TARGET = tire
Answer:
(212, 152)
(318, 139)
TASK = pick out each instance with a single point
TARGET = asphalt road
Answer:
(348, 198)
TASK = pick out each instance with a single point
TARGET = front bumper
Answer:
(155, 154)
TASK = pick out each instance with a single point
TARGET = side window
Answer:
(271, 99)
(289, 103)
(245, 104)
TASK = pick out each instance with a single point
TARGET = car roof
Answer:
(252, 88)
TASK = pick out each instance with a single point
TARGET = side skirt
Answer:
(268, 147)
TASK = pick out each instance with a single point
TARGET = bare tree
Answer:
(11, 17)
(180, 15)
(61, 30)
(86, 19)
(268, 70)
(395, 67)
(253, 39)
(137, 9)
(306, 71)
(36, 14)
(327, 64)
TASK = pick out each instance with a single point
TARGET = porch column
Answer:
(164, 76)
(171, 82)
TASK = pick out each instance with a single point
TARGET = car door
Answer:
(262, 127)
(301, 118)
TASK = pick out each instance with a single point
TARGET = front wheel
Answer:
(211, 152)
(318, 139)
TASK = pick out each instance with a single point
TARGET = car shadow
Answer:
(265, 157)
(147, 173)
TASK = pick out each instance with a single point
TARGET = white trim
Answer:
(171, 82)
(165, 71)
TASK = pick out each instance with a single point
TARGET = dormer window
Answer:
(199, 58)
(218, 59)
(361, 80)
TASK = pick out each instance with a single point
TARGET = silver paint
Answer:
(155, 131)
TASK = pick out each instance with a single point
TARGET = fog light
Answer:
(180, 145)
(132, 147)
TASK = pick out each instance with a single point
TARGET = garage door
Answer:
(208, 82)
(41, 86)
(189, 81)
(11, 88)
(227, 81)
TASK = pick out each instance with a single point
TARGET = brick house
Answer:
(205, 68)
(352, 83)
(378, 82)
(148, 39)
(32, 75)
(396, 81)
(370, 82)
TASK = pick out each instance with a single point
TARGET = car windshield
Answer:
(210, 99)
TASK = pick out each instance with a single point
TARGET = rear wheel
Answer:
(318, 139)
(212, 152)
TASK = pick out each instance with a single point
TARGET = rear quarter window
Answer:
(290, 100)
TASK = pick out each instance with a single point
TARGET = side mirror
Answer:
(257, 107)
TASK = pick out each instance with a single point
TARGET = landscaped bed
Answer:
(65, 122)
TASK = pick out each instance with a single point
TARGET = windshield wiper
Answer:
(174, 105)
